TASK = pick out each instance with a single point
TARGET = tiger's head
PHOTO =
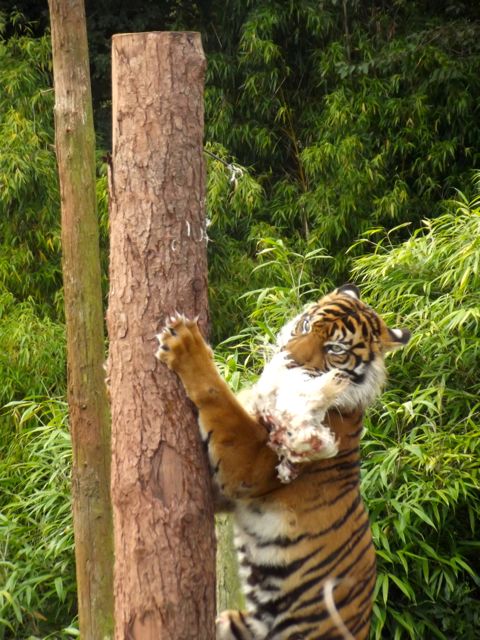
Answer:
(341, 332)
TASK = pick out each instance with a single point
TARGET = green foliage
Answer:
(32, 357)
(29, 198)
(342, 116)
(37, 584)
(422, 445)
(350, 115)
(233, 199)
(289, 276)
(347, 115)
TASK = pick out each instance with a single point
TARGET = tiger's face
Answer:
(341, 332)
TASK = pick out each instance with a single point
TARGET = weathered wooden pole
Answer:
(163, 520)
(88, 404)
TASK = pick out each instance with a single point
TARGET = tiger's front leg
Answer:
(242, 463)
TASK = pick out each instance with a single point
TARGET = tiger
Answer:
(305, 551)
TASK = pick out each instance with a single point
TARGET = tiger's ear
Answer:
(350, 290)
(398, 338)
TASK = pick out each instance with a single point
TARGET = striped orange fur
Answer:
(306, 557)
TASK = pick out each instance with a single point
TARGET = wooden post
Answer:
(163, 515)
(88, 405)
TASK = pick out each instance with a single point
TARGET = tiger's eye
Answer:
(305, 326)
(335, 348)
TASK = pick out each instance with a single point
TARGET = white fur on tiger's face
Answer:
(305, 549)
(330, 356)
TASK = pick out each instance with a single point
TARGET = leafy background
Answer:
(355, 126)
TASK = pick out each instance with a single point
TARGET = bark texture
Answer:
(88, 404)
(163, 515)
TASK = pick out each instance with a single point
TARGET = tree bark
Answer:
(163, 515)
(88, 404)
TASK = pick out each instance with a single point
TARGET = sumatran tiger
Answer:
(303, 538)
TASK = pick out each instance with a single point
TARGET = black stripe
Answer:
(359, 515)
(365, 622)
(348, 477)
(358, 534)
(281, 570)
(355, 434)
(366, 601)
(361, 617)
(358, 378)
(349, 324)
(359, 345)
(356, 589)
(350, 623)
(294, 594)
(350, 510)
(270, 607)
(288, 598)
(343, 573)
(284, 541)
(343, 517)
(318, 597)
(236, 630)
(350, 483)
(347, 452)
(341, 466)
(261, 586)
(346, 488)
(364, 619)
(279, 541)
(320, 616)
(274, 607)
(343, 306)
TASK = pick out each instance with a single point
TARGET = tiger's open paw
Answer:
(180, 342)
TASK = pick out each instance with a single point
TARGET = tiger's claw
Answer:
(177, 340)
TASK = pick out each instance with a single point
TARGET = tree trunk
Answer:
(88, 404)
(163, 516)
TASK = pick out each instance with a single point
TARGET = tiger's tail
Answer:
(328, 588)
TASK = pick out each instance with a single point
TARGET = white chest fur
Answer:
(255, 529)
(295, 403)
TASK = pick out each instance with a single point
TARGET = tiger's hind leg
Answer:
(239, 625)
